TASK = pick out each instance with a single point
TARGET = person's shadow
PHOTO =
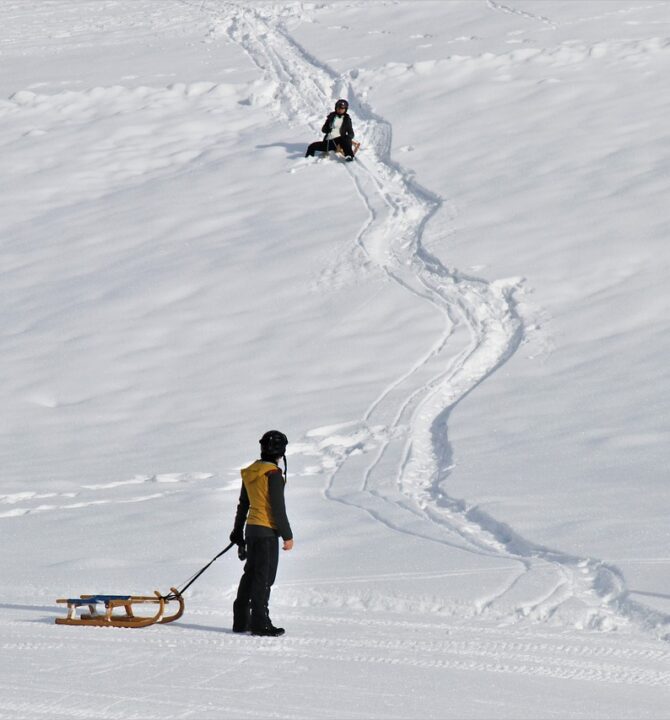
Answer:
(208, 628)
(665, 596)
(293, 150)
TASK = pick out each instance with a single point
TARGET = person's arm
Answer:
(237, 536)
(326, 126)
(276, 491)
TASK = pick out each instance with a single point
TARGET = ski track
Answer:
(406, 426)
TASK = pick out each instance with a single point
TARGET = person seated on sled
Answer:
(261, 507)
(338, 130)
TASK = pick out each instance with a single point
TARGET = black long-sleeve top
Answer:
(346, 129)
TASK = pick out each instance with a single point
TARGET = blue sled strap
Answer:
(94, 599)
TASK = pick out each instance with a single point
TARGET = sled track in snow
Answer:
(406, 426)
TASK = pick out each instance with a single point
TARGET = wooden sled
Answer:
(354, 146)
(127, 603)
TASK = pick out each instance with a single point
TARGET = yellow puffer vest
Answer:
(255, 482)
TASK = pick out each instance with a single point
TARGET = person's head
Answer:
(273, 445)
(341, 106)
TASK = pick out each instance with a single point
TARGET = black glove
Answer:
(237, 537)
(242, 551)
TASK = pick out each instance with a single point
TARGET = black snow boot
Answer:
(268, 630)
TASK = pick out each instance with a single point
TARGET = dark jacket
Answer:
(346, 129)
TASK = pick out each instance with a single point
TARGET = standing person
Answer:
(262, 507)
(339, 132)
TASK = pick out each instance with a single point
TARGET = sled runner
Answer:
(127, 603)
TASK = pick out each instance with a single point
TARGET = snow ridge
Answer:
(405, 428)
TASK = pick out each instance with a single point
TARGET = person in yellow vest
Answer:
(262, 508)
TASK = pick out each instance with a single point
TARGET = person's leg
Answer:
(273, 561)
(259, 583)
(241, 606)
(345, 144)
(320, 145)
(264, 576)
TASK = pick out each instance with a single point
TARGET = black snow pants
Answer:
(250, 609)
(320, 146)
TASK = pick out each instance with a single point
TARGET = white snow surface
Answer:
(464, 334)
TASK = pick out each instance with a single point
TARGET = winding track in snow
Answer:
(403, 486)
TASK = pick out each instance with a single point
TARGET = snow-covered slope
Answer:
(463, 334)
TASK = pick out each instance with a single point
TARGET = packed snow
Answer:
(464, 334)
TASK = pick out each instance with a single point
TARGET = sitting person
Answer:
(338, 133)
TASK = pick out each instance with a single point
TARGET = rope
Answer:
(192, 579)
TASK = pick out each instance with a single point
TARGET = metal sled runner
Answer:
(127, 603)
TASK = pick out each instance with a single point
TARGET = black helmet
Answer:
(273, 443)
(342, 103)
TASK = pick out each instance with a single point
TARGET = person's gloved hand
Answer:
(237, 537)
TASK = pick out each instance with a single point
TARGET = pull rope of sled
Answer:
(193, 578)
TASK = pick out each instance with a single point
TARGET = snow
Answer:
(464, 335)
